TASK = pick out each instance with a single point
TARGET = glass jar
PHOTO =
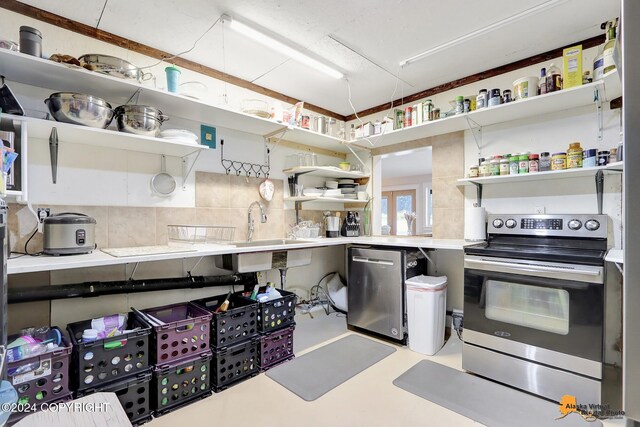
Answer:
(506, 95)
(603, 157)
(474, 171)
(558, 161)
(436, 113)
(574, 156)
(534, 165)
(545, 162)
(523, 163)
(427, 108)
(481, 99)
(459, 104)
(504, 166)
(513, 165)
(467, 105)
(495, 167)
(484, 168)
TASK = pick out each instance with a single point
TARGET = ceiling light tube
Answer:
(282, 48)
(482, 31)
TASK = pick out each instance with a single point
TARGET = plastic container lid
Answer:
(90, 335)
(427, 282)
(459, 98)
(533, 157)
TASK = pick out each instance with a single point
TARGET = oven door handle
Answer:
(534, 268)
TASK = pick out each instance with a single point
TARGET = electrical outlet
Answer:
(539, 210)
(43, 213)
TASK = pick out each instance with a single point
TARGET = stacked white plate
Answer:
(179, 135)
(346, 181)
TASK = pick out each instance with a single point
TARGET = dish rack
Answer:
(199, 234)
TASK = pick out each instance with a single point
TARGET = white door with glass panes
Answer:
(394, 205)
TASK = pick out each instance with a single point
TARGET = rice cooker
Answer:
(68, 234)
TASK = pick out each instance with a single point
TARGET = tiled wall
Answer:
(220, 200)
(448, 199)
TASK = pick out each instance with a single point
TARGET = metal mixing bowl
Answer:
(114, 67)
(80, 109)
(139, 119)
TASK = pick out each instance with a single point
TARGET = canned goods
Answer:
(407, 116)
(559, 161)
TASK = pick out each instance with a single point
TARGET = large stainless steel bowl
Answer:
(80, 109)
(139, 119)
(114, 67)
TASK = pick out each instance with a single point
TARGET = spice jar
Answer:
(603, 158)
(574, 156)
(484, 168)
(559, 161)
(545, 162)
(589, 157)
(534, 163)
(495, 166)
(473, 171)
(523, 163)
(513, 164)
(504, 166)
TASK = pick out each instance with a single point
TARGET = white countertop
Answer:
(29, 264)
(615, 255)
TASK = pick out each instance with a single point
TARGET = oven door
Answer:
(547, 312)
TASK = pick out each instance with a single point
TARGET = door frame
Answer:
(391, 206)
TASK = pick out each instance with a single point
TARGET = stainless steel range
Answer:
(534, 304)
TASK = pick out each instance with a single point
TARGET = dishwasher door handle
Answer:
(371, 260)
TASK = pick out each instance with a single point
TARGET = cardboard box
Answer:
(572, 67)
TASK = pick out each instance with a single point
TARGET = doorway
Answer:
(396, 206)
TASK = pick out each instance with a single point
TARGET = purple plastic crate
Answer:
(276, 348)
(184, 335)
(42, 378)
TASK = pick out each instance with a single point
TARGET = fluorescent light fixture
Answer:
(282, 48)
(482, 31)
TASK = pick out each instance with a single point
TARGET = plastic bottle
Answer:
(272, 292)
(459, 104)
(15, 354)
(607, 53)
(481, 99)
(542, 84)
(554, 79)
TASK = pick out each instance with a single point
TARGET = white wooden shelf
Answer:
(540, 176)
(41, 129)
(30, 70)
(609, 88)
(323, 199)
(325, 171)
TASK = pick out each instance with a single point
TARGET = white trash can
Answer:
(426, 312)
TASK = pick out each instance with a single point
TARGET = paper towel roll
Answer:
(474, 224)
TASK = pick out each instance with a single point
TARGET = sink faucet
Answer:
(263, 219)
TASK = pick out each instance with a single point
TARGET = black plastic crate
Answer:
(108, 360)
(134, 394)
(181, 383)
(184, 335)
(41, 378)
(277, 313)
(234, 364)
(276, 348)
(239, 323)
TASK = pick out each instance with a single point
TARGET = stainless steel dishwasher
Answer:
(376, 290)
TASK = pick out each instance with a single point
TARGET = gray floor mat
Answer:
(313, 331)
(331, 365)
(482, 400)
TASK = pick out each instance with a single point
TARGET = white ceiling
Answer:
(385, 32)
(407, 163)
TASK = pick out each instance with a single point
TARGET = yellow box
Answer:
(572, 67)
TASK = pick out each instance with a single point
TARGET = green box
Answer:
(208, 136)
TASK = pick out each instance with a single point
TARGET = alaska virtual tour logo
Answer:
(589, 412)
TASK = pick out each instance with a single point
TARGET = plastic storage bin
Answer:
(184, 335)
(426, 313)
(180, 384)
(42, 378)
(239, 323)
(107, 360)
(277, 313)
(276, 348)
(234, 364)
(134, 394)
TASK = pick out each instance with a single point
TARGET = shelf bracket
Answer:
(366, 168)
(597, 98)
(428, 258)
(133, 273)
(280, 132)
(476, 131)
(478, 193)
(186, 170)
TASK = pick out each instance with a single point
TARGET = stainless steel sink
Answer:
(264, 259)
(273, 242)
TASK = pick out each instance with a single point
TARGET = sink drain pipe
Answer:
(18, 294)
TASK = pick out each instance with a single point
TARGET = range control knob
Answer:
(575, 224)
(511, 223)
(497, 223)
(592, 225)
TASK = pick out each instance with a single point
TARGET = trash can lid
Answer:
(428, 282)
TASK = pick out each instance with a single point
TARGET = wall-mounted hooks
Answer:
(249, 169)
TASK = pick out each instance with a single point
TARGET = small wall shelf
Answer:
(323, 199)
(325, 171)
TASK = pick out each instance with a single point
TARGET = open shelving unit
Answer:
(325, 171)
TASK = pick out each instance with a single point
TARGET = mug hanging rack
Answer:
(245, 167)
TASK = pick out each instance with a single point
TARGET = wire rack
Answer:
(199, 234)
